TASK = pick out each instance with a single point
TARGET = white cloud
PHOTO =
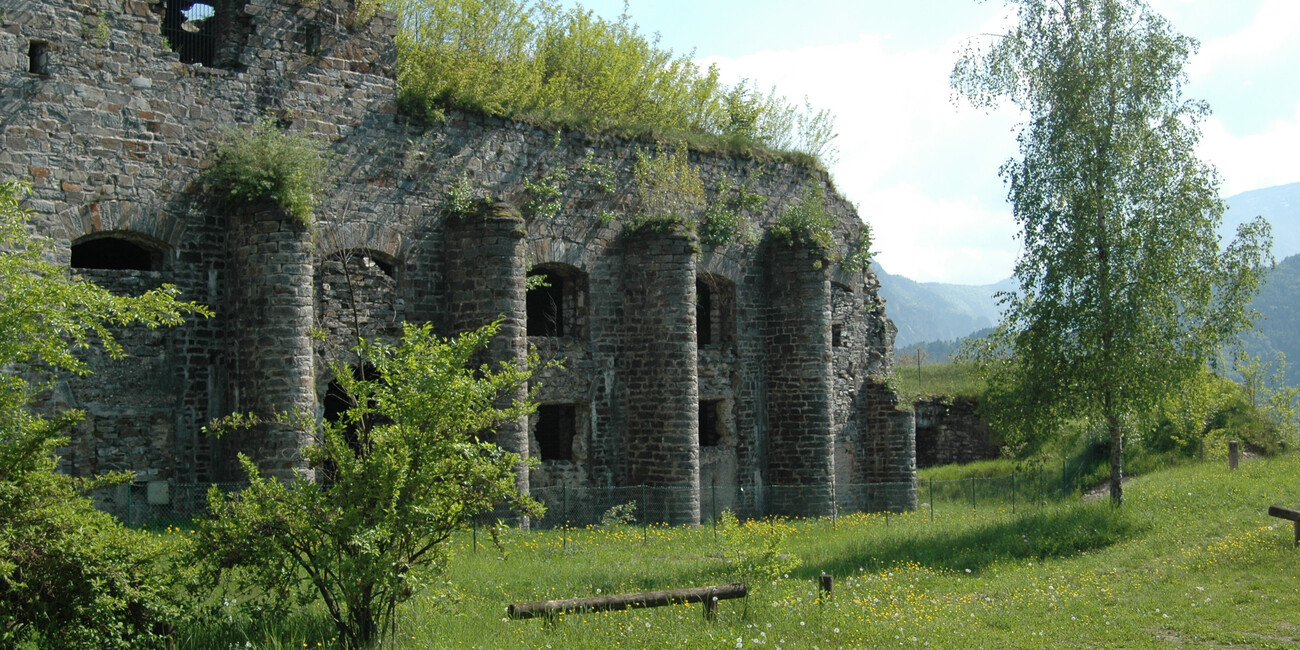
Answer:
(923, 170)
(939, 240)
(1255, 160)
(1275, 29)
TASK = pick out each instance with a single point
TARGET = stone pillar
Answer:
(888, 453)
(659, 371)
(486, 279)
(801, 444)
(272, 307)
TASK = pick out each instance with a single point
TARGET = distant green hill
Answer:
(937, 315)
(933, 311)
(1279, 204)
(1278, 328)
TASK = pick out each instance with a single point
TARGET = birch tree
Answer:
(1124, 289)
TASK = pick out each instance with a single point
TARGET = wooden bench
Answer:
(707, 595)
(1289, 514)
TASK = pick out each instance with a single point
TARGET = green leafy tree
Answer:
(401, 470)
(68, 574)
(1124, 291)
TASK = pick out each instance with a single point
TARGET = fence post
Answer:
(714, 508)
(1013, 492)
(1232, 454)
(564, 513)
(973, 504)
(473, 528)
(835, 506)
(645, 514)
(932, 501)
(825, 586)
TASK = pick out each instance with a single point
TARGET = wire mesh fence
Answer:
(162, 503)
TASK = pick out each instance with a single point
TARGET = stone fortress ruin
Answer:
(745, 373)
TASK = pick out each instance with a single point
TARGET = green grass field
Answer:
(1190, 560)
(937, 380)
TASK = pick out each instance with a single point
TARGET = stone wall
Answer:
(115, 136)
(952, 431)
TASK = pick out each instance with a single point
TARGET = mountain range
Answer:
(934, 311)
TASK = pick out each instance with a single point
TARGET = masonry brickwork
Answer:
(114, 130)
(952, 431)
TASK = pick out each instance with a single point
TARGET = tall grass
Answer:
(1190, 559)
(535, 61)
(953, 379)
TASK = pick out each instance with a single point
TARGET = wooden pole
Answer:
(707, 595)
(1287, 513)
(1232, 454)
(826, 585)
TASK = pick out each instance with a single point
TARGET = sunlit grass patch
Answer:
(1190, 559)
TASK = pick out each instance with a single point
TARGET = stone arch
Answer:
(162, 230)
(556, 250)
(380, 242)
(560, 309)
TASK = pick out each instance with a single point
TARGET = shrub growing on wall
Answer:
(261, 163)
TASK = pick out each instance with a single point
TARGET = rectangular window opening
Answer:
(546, 308)
(837, 335)
(556, 426)
(38, 57)
(711, 427)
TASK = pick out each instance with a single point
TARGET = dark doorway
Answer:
(556, 426)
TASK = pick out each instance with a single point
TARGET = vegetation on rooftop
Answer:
(537, 62)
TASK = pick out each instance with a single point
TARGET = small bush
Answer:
(73, 576)
(260, 163)
(754, 551)
(669, 188)
(405, 468)
(807, 221)
(623, 514)
(727, 218)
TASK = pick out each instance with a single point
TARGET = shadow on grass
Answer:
(1053, 533)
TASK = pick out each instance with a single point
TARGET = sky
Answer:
(923, 168)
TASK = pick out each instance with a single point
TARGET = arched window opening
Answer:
(367, 259)
(190, 30)
(558, 305)
(557, 424)
(703, 314)
(115, 253)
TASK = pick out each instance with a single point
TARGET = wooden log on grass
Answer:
(707, 595)
(1287, 513)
